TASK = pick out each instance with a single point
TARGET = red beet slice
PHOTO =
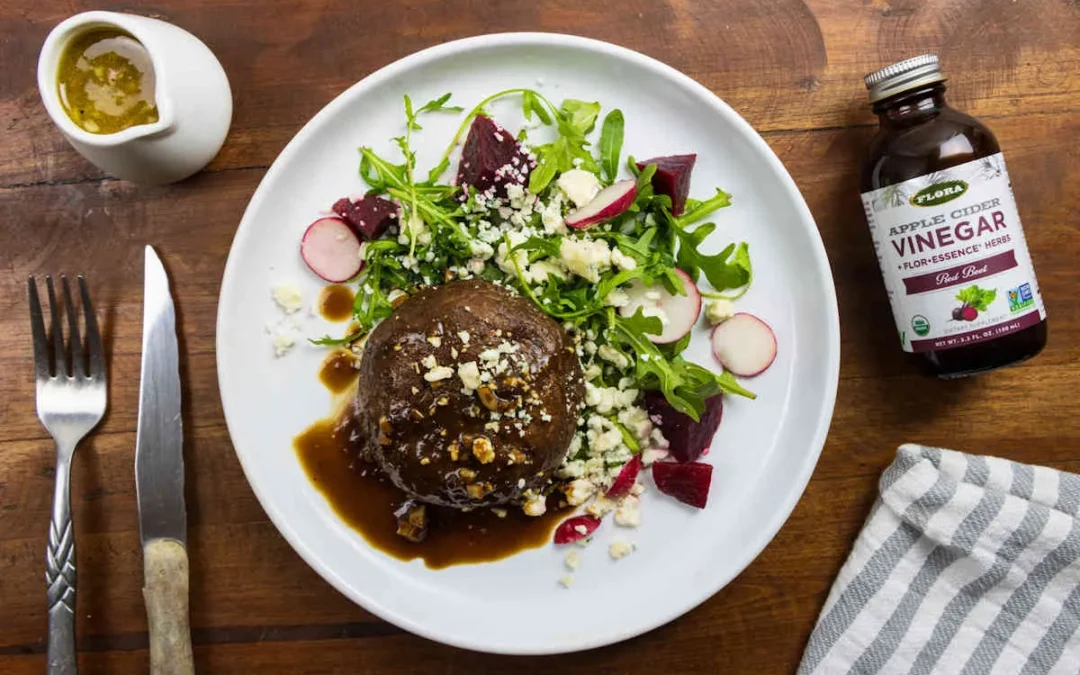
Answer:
(688, 439)
(573, 529)
(492, 159)
(368, 216)
(626, 478)
(689, 482)
(672, 178)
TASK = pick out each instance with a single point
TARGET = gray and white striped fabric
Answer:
(967, 565)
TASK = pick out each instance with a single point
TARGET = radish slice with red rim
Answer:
(744, 345)
(677, 313)
(611, 202)
(332, 250)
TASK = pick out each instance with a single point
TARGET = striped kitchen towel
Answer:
(966, 565)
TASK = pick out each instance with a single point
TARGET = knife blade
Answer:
(159, 459)
(159, 480)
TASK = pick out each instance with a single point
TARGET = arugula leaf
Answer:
(579, 115)
(574, 119)
(722, 272)
(611, 140)
(685, 385)
(327, 341)
(434, 105)
(530, 105)
(699, 210)
(545, 170)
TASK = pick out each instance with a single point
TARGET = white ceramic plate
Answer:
(763, 454)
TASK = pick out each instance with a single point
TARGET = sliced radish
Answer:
(744, 345)
(677, 313)
(609, 203)
(332, 250)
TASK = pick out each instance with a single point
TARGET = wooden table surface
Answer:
(791, 68)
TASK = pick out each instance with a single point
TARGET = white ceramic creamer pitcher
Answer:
(193, 98)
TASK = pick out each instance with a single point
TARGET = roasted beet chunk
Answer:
(689, 483)
(689, 439)
(492, 158)
(672, 178)
(369, 216)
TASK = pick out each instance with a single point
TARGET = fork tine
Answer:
(37, 329)
(93, 337)
(78, 366)
(59, 351)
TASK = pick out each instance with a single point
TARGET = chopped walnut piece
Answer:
(483, 450)
(412, 521)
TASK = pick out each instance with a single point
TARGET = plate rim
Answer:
(817, 251)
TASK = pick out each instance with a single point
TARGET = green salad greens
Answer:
(520, 240)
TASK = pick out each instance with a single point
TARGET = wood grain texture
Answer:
(791, 68)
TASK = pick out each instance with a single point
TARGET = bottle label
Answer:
(953, 255)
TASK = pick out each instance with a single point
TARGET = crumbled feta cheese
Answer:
(438, 373)
(600, 507)
(636, 420)
(620, 548)
(434, 340)
(551, 216)
(579, 491)
(621, 260)
(574, 468)
(288, 297)
(719, 310)
(464, 337)
(503, 259)
(572, 560)
(613, 356)
(628, 514)
(481, 249)
(283, 342)
(535, 505)
(648, 457)
(429, 361)
(587, 258)
(580, 186)
(539, 271)
(566, 580)
(606, 399)
(469, 374)
(617, 298)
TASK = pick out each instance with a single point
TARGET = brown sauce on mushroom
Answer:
(367, 502)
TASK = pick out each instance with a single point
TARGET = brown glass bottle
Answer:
(920, 137)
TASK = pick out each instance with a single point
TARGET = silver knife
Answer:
(159, 480)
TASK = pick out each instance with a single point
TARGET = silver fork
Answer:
(70, 402)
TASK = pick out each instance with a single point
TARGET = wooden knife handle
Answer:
(165, 590)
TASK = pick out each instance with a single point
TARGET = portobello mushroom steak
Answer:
(468, 396)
